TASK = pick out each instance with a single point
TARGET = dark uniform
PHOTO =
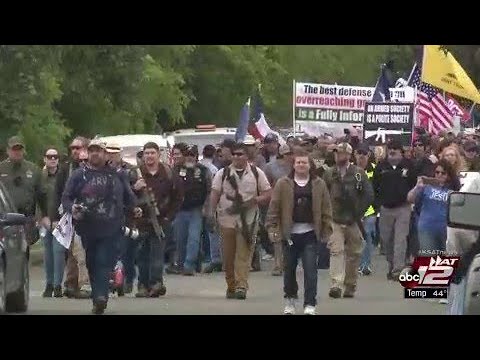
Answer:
(24, 182)
(351, 195)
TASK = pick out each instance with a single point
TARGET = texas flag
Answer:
(259, 127)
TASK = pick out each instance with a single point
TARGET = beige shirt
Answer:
(247, 187)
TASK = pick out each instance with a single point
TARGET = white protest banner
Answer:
(63, 232)
(322, 108)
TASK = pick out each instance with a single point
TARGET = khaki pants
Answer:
(76, 268)
(237, 257)
(278, 256)
(346, 245)
(71, 270)
(80, 257)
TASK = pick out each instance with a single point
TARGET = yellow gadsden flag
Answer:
(441, 70)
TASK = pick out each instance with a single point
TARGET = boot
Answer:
(57, 291)
(142, 292)
(212, 268)
(99, 306)
(47, 293)
(157, 290)
(349, 291)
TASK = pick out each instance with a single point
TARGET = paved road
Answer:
(205, 295)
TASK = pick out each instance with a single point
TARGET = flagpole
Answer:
(293, 109)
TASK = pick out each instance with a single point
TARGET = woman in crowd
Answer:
(430, 196)
(300, 215)
(453, 156)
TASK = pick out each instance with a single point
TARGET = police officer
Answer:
(97, 198)
(24, 182)
(351, 193)
(197, 182)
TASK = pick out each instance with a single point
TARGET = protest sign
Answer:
(386, 121)
(321, 108)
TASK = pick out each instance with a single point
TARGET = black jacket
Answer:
(64, 172)
(391, 186)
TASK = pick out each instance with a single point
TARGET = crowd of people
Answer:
(328, 202)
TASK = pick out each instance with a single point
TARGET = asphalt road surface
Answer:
(204, 294)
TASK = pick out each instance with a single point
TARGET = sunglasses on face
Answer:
(51, 157)
(238, 154)
(361, 152)
(440, 173)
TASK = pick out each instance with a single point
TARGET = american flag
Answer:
(430, 103)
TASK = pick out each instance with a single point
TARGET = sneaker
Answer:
(267, 257)
(367, 271)
(82, 294)
(47, 293)
(289, 306)
(277, 272)
(309, 310)
(174, 269)
(335, 293)
(57, 291)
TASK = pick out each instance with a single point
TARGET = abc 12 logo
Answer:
(429, 272)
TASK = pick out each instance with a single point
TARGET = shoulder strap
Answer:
(255, 173)
(226, 173)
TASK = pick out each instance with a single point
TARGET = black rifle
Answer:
(239, 208)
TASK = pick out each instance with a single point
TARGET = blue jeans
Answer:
(101, 254)
(150, 260)
(188, 228)
(127, 255)
(369, 224)
(54, 260)
(305, 247)
(432, 239)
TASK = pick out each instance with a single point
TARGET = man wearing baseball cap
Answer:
(351, 194)
(98, 198)
(23, 181)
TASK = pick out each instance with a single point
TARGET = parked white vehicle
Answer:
(132, 144)
(202, 135)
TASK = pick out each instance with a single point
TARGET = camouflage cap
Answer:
(344, 147)
(113, 148)
(15, 141)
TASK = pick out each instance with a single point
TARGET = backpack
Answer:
(226, 175)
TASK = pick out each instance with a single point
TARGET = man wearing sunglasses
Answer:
(471, 155)
(54, 252)
(238, 191)
(72, 284)
(23, 181)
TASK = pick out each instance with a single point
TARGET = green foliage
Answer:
(49, 93)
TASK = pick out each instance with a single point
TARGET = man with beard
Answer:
(76, 281)
(160, 187)
(197, 182)
(393, 178)
(351, 193)
(97, 197)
